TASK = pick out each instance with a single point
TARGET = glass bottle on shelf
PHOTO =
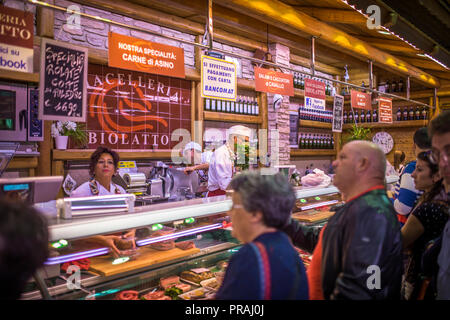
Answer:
(219, 105)
(228, 106)
(241, 105)
(213, 105)
(256, 106)
(411, 113)
(405, 114)
(399, 114)
(207, 102)
(362, 117)
(417, 113)
(301, 141)
(296, 81)
(363, 85)
(232, 106)
(350, 116)
(246, 105)
(394, 86)
(368, 116)
(375, 115)
(302, 82)
(332, 142)
(400, 86)
(356, 116)
(388, 87)
(424, 113)
(345, 117)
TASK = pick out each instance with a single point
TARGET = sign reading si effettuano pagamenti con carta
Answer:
(16, 40)
(218, 79)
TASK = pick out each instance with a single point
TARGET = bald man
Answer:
(358, 254)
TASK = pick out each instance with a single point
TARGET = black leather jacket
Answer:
(361, 249)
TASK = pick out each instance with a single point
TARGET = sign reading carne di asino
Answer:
(63, 78)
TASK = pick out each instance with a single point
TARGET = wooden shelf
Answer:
(300, 93)
(229, 117)
(396, 124)
(19, 76)
(314, 124)
(23, 163)
(85, 154)
(312, 152)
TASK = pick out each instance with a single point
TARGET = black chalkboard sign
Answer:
(63, 80)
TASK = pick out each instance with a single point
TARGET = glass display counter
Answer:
(181, 249)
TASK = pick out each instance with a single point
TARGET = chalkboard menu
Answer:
(63, 79)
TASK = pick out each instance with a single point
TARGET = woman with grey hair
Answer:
(267, 265)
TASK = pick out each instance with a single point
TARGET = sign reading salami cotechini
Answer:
(16, 39)
(144, 56)
(273, 82)
(385, 110)
(361, 100)
(218, 79)
(314, 94)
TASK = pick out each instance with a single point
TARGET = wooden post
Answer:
(45, 19)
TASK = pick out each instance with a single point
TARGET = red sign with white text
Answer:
(361, 100)
(144, 56)
(315, 89)
(385, 110)
(274, 82)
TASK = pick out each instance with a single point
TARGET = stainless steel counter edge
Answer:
(158, 213)
(141, 216)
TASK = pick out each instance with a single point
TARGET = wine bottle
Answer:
(394, 86)
(411, 113)
(417, 113)
(219, 105)
(375, 115)
(368, 116)
(345, 117)
(356, 116)
(213, 105)
(362, 117)
(400, 86)
(232, 107)
(350, 116)
(228, 106)
(241, 105)
(399, 115)
(424, 113)
(255, 103)
(302, 82)
(207, 104)
(405, 114)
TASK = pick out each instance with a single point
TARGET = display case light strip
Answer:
(77, 256)
(179, 234)
(321, 204)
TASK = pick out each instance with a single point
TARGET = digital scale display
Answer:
(16, 187)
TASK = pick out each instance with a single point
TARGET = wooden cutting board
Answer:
(314, 217)
(103, 265)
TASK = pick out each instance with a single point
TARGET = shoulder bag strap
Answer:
(264, 269)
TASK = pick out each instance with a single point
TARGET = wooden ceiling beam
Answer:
(424, 63)
(167, 20)
(334, 15)
(286, 17)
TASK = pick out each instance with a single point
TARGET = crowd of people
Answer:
(363, 252)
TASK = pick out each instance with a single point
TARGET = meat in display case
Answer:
(175, 250)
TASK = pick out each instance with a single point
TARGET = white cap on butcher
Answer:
(239, 130)
(192, 145)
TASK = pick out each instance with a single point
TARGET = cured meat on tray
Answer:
(163, 245)
(185, 245)
(127, 295)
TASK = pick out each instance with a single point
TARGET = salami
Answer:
(163, 245)
(157, 295)
(185, 245)
(169, 282)
(128, 295)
